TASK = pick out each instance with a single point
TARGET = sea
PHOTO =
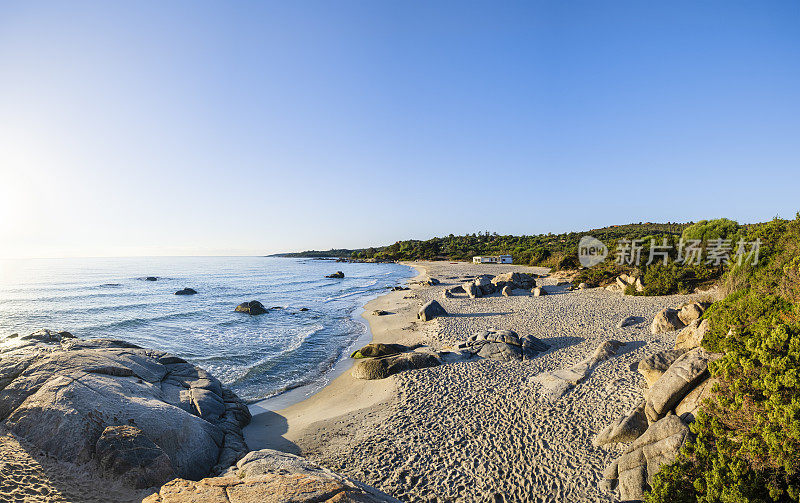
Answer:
(312, 325)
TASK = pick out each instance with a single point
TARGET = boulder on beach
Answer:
(503, 345)
(269, 476)
(381, 368)
(626, 428)
(431, 310)
(62, 397)
(688, 407)
(186, 291)
(633, 472)
(457, 289)
(252, 308)
(484, 284)
(377, 349)
(399, 288)
(692, 336)
(472, 290)
(654, 366)
(538, 291)
(125, 453)
(691, 312)
(629, 321)
(514, 280)
(336, 275)
(447, 294)
(379, 312)
(666, 321)
(680, 378)
(507, 291)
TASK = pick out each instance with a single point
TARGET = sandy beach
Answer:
(479, 429)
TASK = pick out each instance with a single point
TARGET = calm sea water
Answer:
(256, 356)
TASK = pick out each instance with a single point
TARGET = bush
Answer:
(706, 230)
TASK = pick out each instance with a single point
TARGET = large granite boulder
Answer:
(692, 336)
(688, 407)
(629, 321)
(682, 376)
(377, 349)
(383, 367)
(507, 291)
(633, 472)
(691, 312)
(472, 290)
(62, 397)
(252, 308)
(431, 310)
(656, 364)
(269, 476)
(624, 429)
(538, 291)
(186, 291)
(125, 453)
(514, 280)
(503, 345)
(485, 285)
(666, 321)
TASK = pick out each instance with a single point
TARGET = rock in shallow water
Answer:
(186, 291)
(252, 308)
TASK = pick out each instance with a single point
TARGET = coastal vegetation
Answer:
(747, 435)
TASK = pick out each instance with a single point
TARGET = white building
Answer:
(496, 259)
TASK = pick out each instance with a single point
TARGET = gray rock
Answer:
(629, 321)
(666, 321)
(691, 312)
(46, 335)
(61, 401)
(682, 376)
(457, 289)
(635, 469)
(503, 345)
(186, 291)
(252, 308)
(582, 286)
(507, 292)
(538, 291)
(431, 310)
(379, 312)
(447, 294)
(381, 368)
(692, 336)
(485, 285)
(624, 429)
(656, 364)
(688, 407)
(336, 275)
(514, 280)
(124, 453)
(472, 290)
(377, 349)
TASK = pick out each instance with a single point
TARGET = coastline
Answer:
(279, 421)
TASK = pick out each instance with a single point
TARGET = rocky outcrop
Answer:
(383, 367)
(538, 291)
(680, 378)
(688, 407)
(633, 472)
(62, 396)
(126, 454)
(484, 285)
(507, 291)
(692, 336)
(336, 275)
(625, 429)
(654, 366)
(472, 290)
(666, 321)
(269, 476)
(253, 308)
(514, 280)
(377, 349)
(691, 312)
(186, 291)
(431, 310)
(502, 345)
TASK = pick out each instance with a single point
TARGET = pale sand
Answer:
(29, 476)
(479, 429)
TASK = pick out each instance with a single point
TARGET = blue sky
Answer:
(160, 128)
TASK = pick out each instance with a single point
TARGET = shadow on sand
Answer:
(266, 431)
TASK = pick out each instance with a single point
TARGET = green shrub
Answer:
(706, 230)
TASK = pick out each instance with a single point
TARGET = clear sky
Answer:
(161, 128)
